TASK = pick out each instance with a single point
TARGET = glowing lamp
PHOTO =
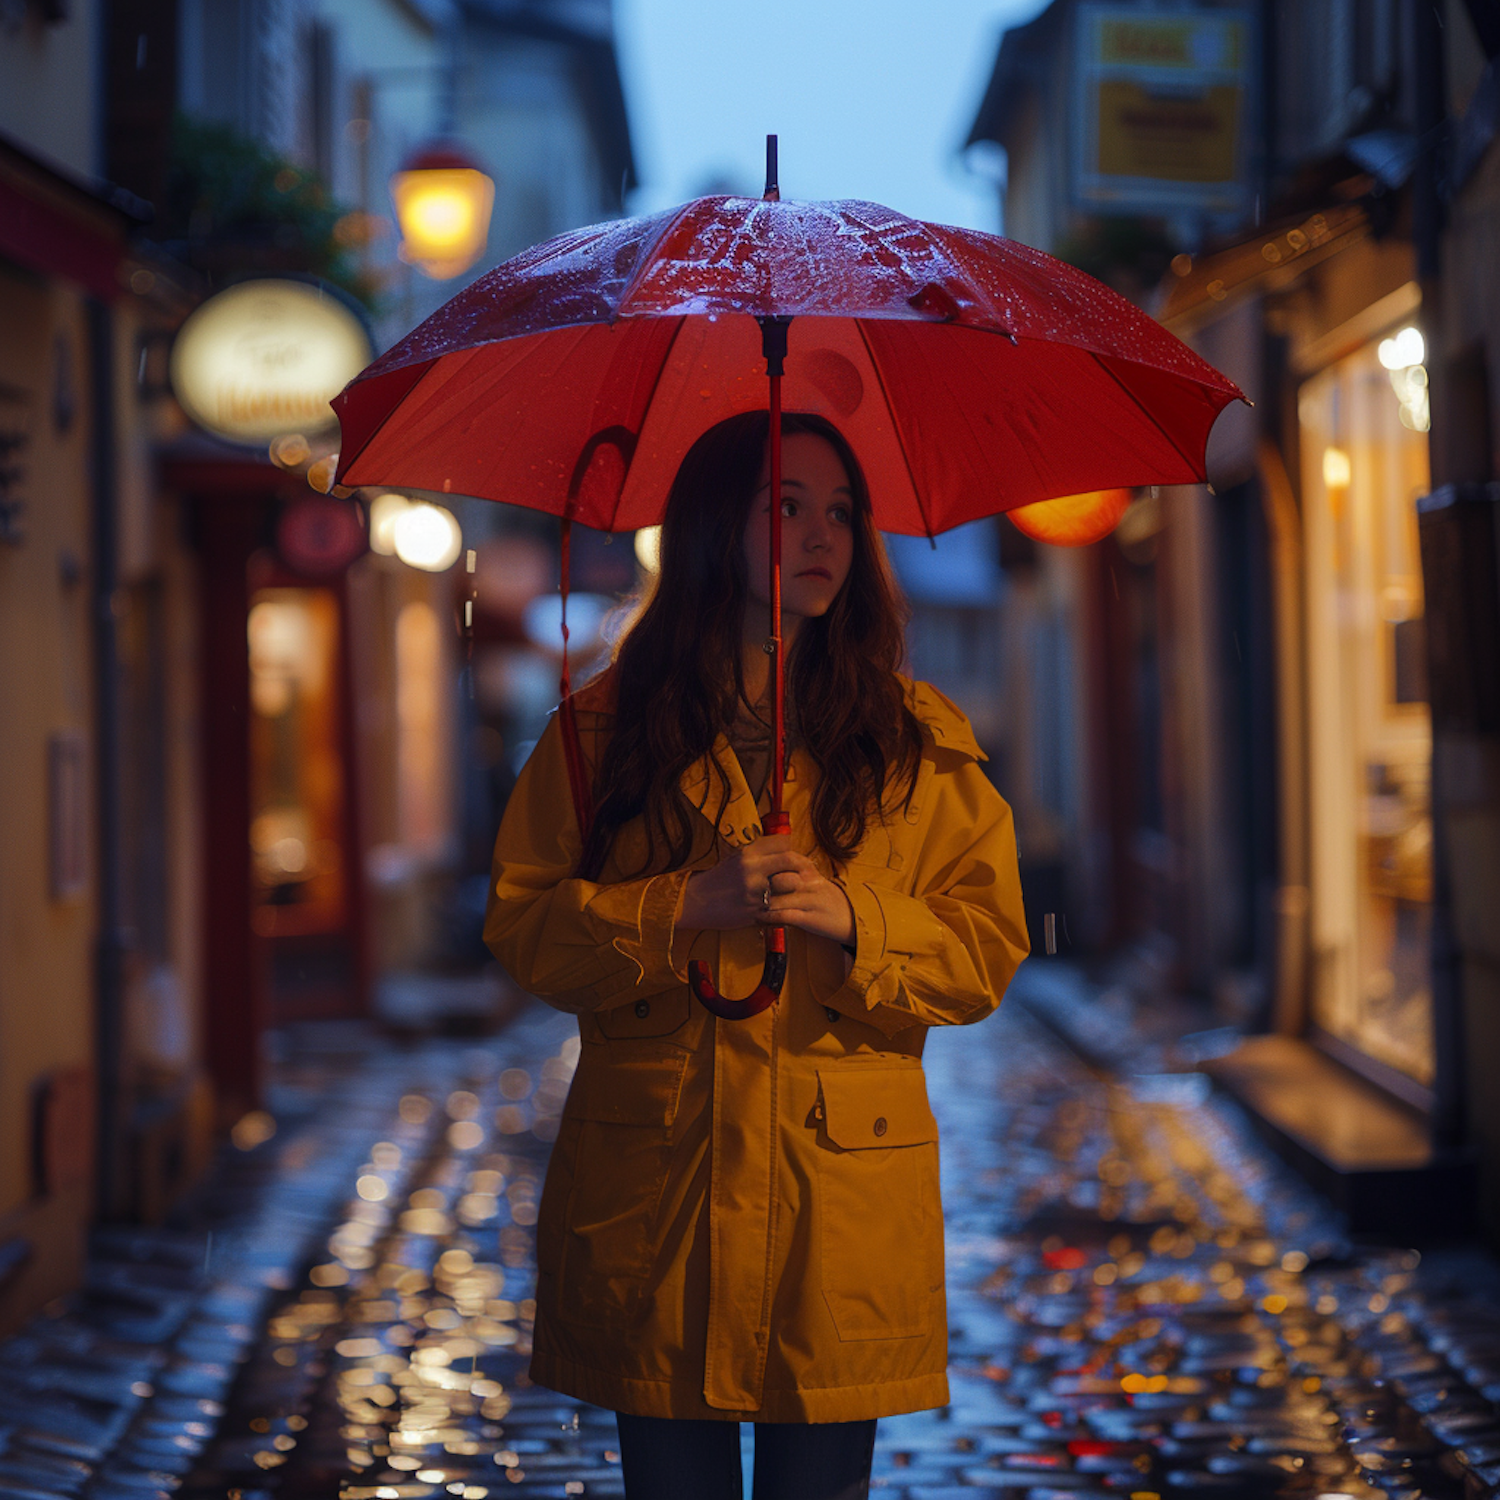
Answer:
(443, 204)
(385, 511)
(1403, 349)
(1072, 520)
(1337, 470)
(427, 536)
(648, 548)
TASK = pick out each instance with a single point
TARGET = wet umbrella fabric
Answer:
(972, 374)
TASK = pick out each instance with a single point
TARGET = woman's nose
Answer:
(817, 537)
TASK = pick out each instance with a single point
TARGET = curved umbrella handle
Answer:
(762, 997)
(766, 993)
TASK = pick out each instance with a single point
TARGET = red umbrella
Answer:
(972, 374)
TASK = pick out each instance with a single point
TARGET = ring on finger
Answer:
(765, 896)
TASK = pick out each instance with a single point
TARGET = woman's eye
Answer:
(789, 507)
(842, 514)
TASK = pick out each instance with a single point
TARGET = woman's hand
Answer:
(733, 893)
(767, 884)
(802, 896)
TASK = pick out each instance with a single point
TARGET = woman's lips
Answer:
(816, 573)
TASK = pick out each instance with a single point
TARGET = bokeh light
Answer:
(1072, 520)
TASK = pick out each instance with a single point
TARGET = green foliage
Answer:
(233, 207)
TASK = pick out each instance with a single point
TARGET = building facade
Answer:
(105, 1098)
(1260, 800)
(232, 777)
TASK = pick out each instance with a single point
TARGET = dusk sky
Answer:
(871, 98)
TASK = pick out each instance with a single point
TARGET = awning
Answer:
(59, 226)
(1201, 287)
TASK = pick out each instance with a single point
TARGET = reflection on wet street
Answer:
(1142, 1304)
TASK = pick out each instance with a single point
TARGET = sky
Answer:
(870, 98)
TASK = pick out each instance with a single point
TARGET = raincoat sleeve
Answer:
(943, 954)
(579, 944)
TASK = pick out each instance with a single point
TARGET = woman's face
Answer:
(817, 527)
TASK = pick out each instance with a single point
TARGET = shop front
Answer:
(1354, 1077)
(1363, 423)
(328, 673)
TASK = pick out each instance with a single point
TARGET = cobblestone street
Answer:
(1142, 1303)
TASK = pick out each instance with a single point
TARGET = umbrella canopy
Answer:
(972, 374)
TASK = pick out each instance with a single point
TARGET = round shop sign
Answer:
(266, 357)
(318, 536)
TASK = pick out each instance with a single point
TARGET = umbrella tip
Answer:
(773, 188)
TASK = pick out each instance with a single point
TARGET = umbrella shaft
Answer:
(778, 679)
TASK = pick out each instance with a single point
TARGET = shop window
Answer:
(421, 749)
(297, 782)
(1364, 445)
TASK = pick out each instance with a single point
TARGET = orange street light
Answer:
(443, 204)
(1072, 520)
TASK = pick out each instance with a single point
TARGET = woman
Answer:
(741, 1220)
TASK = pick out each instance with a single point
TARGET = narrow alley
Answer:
(1142, 1302)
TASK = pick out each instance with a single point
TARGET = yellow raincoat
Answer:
(741, 1219)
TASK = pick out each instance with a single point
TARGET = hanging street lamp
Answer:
(443, 202)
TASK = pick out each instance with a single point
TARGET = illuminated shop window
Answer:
(296, 774)
(1364, 446)
(421, 746)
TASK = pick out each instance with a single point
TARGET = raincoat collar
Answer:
(705, 784)
(707, 780)
(943, 720)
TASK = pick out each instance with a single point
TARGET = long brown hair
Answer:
(679, 670)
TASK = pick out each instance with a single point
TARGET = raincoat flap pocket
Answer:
(876, 1108)
(638, 1086)
(650, 1015)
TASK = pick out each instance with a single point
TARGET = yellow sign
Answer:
(1171, 139)
(1161, 99)
(1167, 42)
(266, 357)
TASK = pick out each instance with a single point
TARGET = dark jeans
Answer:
(665, 1459)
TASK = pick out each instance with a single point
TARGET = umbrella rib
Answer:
(645, 409)
(669, 223)
(1146, 412)
(895, 427)
(380, 426)
(997, 314)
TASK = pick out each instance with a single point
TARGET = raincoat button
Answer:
(830, 1012)
(727, 830)
(880, 1126)
(643, 1008)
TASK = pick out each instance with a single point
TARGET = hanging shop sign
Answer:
(318, 536)
(266, 357)
(1161, 101)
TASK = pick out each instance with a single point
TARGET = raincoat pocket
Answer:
(879, 1211)
(621, 1108)
(650, 1016)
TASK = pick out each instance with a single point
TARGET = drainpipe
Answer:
(1450, 1125)
(109, 952)
(1429, 104)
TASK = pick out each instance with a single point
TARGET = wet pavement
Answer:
(1143, 1303)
